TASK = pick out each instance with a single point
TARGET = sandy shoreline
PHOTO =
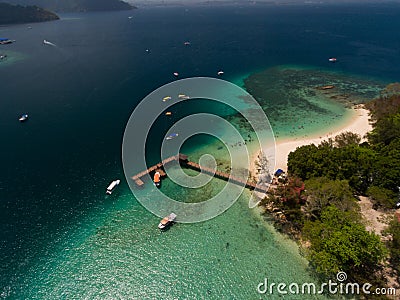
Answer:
(357, 123)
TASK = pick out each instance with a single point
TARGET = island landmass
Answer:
(77, 5)
(14, 14)
(337, 193)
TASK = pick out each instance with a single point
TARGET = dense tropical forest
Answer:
(13, 14)
(319, 201)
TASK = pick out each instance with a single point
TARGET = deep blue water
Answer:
(80, 94)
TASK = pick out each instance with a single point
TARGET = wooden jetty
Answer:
(184, 161)
(158, 168)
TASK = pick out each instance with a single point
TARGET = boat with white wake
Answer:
(23, 118)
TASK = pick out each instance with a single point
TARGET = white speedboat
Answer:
(112, 186)
(167, 221)
(23, 118)
(220, 73)
(332, 59)
(171, 136)
(183, 96)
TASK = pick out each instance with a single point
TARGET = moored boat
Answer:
(157, 179)
(327, 87)
(183, 96)
(112, 186)
(171, 136)
(167, 221)
(4, 41)
(166, 98)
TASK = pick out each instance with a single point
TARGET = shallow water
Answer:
(297, 104)
(226, 257)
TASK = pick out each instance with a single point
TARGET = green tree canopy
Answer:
(385, 130)
(347, 138)
(394, 244)
(322, 192)
(341, 243)
(351, 162)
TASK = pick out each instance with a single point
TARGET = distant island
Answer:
(77, 5)
(13, 14)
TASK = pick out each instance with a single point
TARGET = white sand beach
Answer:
(358, 123)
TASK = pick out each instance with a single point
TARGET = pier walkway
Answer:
(185, 162)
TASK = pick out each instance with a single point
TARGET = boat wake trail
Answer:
(49, 43)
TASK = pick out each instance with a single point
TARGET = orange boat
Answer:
(157, 179)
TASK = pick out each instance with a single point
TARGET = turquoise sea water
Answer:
(61, 238)
(297, 105)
